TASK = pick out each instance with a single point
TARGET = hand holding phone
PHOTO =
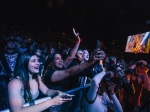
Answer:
(67, 96)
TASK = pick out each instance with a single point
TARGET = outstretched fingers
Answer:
(76, 35)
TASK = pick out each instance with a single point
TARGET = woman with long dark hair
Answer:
(26, 85)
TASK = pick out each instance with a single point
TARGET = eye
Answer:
(56, 58)
(33, 60)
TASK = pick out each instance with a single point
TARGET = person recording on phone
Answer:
(82, 77)
(25, 87)
(101, 95)
(56, 71)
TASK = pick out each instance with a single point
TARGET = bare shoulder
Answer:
(15, 83)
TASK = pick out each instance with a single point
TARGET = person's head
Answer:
(117, 70)
(23, 45)
(57, 62)
(79, 56)
(54, 62)
(45, 51)
(113, 60)
(121, 63)
(28, 68)
(102, 87)
(52, 50)
(86, 55)
(10, 46)
(38, 52)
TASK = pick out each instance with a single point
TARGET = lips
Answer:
(36, 67)
(60, 64)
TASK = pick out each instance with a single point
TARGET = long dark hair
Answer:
(49, 63)
(22, 73)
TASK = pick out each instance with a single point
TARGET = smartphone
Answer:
(67, 96)
(98, 45)
(71, 95)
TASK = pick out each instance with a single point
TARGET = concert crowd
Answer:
(73, 77)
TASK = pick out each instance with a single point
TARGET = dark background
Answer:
(110, 21)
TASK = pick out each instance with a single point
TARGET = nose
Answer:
(37, 62)
(61, 60)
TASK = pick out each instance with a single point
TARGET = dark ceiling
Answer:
(94, 19)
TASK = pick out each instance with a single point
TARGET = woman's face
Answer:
(33, 66)
(79, 56)
(86, 56)
(58, 62)
(52, 50)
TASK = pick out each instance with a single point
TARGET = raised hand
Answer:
(142, 69)
(143, 62)
(76, 35)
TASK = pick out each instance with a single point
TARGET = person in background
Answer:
(101, 95)
(139, 77)
(86, 55)
(38, 53)
(82, 78)
(44, 53)
(51, 51)
(25, 87)
(10, 58)
(23, 49)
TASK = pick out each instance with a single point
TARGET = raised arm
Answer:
(16, 103)
(62, 74)
(92, 92)
(72, 54)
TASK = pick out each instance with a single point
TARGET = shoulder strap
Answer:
(17, 78)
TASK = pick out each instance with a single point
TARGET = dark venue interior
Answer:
(49, 23)
(106, 20)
